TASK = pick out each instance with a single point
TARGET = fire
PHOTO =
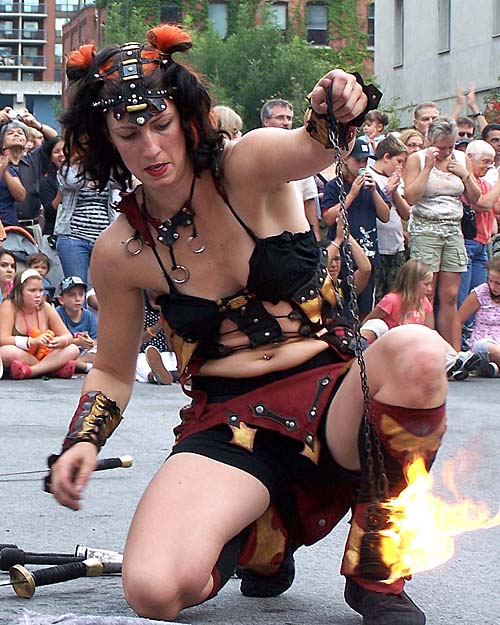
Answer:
(421, 530)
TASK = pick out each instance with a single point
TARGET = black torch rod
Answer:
(9, 557)
(24, 582)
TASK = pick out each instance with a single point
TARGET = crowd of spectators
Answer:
(406, 193)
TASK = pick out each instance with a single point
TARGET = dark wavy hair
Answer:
(85, 132)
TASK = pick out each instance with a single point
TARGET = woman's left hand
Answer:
(454, 167)
(348, 98)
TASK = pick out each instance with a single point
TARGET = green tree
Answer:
(127, 20)
(256, 63)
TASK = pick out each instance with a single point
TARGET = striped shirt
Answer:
(90, 216)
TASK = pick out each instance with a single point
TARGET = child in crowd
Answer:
(365, 203)
(484, 303)
(8, 267)
(409, 303)
(33, 338)
(41, 263)
(390, 158)
(79, 321)
(375, 122)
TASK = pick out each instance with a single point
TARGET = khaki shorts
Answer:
(440, 252)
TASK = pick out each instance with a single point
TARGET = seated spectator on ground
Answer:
(8, 266)
(41, 263)
(365, 203)
(155, 363)
(80, 322)
(33, 338)
(409, 303)
(484, 303)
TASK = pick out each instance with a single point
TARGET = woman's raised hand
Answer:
(348, 98)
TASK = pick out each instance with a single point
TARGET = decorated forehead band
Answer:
(134, 98)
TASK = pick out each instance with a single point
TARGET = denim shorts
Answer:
(440, 252)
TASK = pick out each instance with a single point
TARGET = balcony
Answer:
(20, 8)
(10, 34)
(24, 61)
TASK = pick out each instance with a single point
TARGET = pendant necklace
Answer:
(168, 234)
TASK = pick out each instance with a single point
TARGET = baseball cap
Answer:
(69, 282)
(360, 149)
(462, 141)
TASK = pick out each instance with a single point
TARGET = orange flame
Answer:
(423, 526)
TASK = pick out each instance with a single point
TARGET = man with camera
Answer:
(28, 166)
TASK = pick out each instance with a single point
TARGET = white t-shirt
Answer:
(390, 234)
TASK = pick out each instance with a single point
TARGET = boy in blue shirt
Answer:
(79, 320)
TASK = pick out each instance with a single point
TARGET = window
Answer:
(60, 22)
(217, 14)
(317, 24)
(58, 52)
(30, 30)
(278, 12)
(444, 16)
(496, 18)
(371, 25)
(6, 29)
(170, 13)
(399, 23)
(32, 6)
(68, 5)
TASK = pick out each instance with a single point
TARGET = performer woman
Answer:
(270, 439)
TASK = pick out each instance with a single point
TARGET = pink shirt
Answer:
(484, 220)
(392, 304)
(487, 323)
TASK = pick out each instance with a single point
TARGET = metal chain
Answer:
(377, 479)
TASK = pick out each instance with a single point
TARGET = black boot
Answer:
(255, 585)
(378, 608)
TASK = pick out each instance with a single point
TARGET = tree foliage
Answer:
(256, 61)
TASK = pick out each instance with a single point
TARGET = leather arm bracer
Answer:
(95, 419)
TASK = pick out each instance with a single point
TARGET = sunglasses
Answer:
(464, 133)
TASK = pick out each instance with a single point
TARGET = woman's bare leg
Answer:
(190, 510)
(405, 367)
(448, 286)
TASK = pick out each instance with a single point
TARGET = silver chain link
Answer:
(377, 480)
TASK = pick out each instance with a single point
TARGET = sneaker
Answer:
(161, 375)
(66, 371)
(460, 365)
(378, 608)
(255, 585)
(488, 370)
(19, 370)
(470, 360)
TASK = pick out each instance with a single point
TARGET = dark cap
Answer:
(69, 282)
(462, 141)
(360, 149)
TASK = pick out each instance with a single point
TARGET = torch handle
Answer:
(60, 573)
(112, 463)
(9, 557)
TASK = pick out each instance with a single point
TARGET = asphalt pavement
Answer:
(33, 420)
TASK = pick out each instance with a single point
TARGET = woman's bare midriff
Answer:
(249, 363)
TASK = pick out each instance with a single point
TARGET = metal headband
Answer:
(134, 98)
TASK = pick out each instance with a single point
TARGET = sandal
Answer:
(66, 371)
(20, 370)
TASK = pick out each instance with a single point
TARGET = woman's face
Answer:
(7, 268)
(445, 145)
(415, 144)
(57, 155)
(154, 153)
(32, 293)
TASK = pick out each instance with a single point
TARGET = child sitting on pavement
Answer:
(484, 303)
(79, 321)
(409, 303)
(41, 263)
